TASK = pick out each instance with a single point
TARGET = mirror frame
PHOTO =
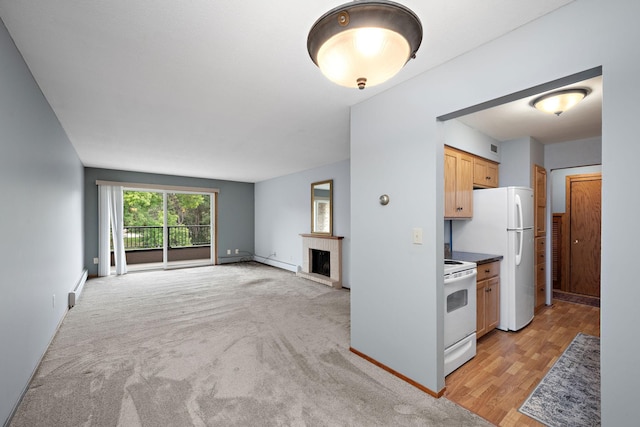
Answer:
(313, 207)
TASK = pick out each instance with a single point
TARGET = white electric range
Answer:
(460, 313)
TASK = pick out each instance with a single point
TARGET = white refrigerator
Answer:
(502, 224)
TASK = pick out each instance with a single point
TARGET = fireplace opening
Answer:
(320, 262)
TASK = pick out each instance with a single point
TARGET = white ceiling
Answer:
(214, 88)
(519, 119)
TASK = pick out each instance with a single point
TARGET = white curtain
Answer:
(104, 252)
(110, 215)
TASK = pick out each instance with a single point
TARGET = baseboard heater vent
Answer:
(75, 293)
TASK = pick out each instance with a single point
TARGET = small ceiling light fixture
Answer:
(364, 43)
(560, 101)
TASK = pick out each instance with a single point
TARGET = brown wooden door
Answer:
(584, 195)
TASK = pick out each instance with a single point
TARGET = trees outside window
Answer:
(188, 219)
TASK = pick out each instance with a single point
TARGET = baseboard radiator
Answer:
(75, 293)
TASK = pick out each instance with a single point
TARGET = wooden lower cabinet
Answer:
(541, 272)
(488, 298)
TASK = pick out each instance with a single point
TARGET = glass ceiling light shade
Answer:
(364, 43)
(560, 101)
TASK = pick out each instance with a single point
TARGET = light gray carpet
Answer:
(233, 345)
(569, 395)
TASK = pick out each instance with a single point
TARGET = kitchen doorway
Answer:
(576, 210)
(569, 144)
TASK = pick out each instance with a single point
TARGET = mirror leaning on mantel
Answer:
(322, 207)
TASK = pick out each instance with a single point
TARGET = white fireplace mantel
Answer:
(331, 244)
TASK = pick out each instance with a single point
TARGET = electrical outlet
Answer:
(96, 261)
(228, 251)
(237, 251)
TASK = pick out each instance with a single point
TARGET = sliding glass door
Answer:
(168, 229)
(188, 227)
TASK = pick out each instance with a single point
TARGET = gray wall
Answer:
(518, 157)
(582, 152)
(40, 224)
(515, 155)
(283, 212)
(397, 147)
(569, 158)
(235, 210)
(557, 181)
(463, 137)
(536, 157)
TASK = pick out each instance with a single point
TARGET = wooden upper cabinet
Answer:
(540, 198)
(462, 173)
(485, 173)
(458, 184)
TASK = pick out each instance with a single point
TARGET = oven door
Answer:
(460, 308)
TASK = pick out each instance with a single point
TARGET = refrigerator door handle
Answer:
(520, 219)
(520, 237)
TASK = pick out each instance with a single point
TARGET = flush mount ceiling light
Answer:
(364, 43)
(560, 101)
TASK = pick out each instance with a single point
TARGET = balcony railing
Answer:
(180, 236)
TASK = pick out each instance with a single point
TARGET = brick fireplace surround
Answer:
(331, 244)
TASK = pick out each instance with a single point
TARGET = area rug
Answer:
(576, 298)
(569, 395)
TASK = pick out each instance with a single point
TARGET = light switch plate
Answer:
(417, 236)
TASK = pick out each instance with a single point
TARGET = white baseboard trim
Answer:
(75, 293)
(275, 263)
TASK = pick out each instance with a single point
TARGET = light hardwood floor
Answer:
(508, 365)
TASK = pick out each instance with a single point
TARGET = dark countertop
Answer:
(475, 257)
